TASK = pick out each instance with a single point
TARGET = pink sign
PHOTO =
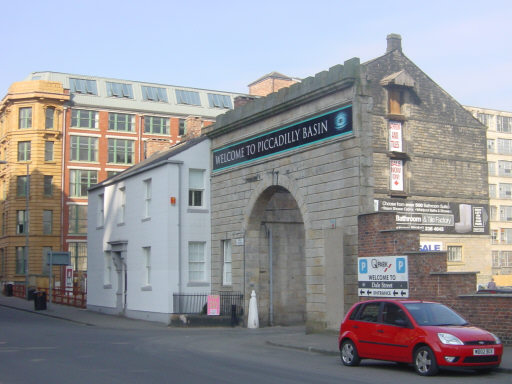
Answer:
(397, 175)
(395, 136)
(213, 305)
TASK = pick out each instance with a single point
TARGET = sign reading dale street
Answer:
(383, 276)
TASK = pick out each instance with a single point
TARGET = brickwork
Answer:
(429, 279)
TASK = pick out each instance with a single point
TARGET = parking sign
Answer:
(383, 276)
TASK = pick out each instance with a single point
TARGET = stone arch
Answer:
(275, 223)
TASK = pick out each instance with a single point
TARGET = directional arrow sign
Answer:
(383, 276)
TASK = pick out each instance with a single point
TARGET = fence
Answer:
(74, 298)
(195, 303)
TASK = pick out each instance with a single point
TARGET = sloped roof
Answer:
(155, 160)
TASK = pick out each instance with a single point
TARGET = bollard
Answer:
(234, 317)
(253, 321)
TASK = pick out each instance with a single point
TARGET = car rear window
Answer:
(434, 314)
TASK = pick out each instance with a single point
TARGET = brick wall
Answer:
(428, 276)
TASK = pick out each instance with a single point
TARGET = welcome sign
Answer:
(331, 124)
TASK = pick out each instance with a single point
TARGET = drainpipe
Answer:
(63, 179)
(180, 220)
(271, 278)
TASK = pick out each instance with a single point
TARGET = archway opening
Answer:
(275, 258)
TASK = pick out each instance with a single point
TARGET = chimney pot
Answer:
(394, 42)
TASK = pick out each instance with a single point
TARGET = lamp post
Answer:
(27, 191)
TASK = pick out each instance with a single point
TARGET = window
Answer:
(196, 262)
(23, 150)
(492, 190)
(494, 213)
(100, 213)
(20, 260)
(504, 124)
(84, 148)
(48, 185)
(120, 151)
(48, 151)
(391, 313)
(22, 186)
(491, 168)
(119, 90)
(80, 181)
(107, 272)
(156, 125)
(77, 220)
(21, 222)
(4, 224)
(187, 97)
(181, 129)
(491, 148)
(495, 259)
(219, 101)
(494, 236)
(146, 251)
(454, 253)
(395, 96)
(505, 191)
(112, 173)
(47, 222)
(147, 198)
(81, 118)
(49, 117)
(121, 122)
(46, 260)
(226, 270)
(78, 253)
(505, 213)
(25, 120)
(505, 168)
(485, 119)
(370, 312)
(122, 205)
(505, 146)
(154, 94)
(195, 187)
(506, 259)
(506, 235)
(83, 86)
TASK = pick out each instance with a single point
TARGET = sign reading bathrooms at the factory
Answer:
(321, 127)
(437, 217)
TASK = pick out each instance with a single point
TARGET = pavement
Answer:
(284, 337)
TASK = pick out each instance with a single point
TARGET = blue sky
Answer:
(464, 46)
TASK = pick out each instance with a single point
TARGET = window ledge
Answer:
(197, 210)
(146, 288)
(146, 219)
(121, 224)
(198, 284)
(99, 227)
(107, 286)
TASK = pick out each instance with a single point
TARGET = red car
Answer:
(428, 335)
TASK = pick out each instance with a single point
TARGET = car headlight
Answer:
(447, 338)
(496, 338)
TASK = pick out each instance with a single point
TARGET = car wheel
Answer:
(425, 362)
(348, 354)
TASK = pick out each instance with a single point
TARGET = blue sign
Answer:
(363, 266)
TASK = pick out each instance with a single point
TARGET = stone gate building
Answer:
(292, 171)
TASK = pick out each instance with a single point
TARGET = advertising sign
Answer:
(396, 175)
(213, 305)
(395, 136)
(437, 217)
(383, 276)
(331, 124)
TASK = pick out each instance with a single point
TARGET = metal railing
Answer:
(195, 303)
(74, 298)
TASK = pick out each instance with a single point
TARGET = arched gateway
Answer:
(291, 173)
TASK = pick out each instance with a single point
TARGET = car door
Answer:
(365, 327)
(394, 333)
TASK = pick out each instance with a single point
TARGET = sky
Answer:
(464, 46)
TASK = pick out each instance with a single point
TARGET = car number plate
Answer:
(483, 351)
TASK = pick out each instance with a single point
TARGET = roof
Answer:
(157, 159)
(273, 75)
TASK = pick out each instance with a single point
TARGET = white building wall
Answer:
(160, 231)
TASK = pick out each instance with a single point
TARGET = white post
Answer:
(253, 321)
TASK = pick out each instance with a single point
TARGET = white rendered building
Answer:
(149, 234)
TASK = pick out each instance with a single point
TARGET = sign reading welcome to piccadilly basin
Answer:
(321, 127)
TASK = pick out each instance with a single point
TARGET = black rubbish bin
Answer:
(39, 300)
(9, 289)
(31, 294)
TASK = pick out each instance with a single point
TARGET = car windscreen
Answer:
(434, 314)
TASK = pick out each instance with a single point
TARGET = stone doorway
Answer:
(275, 258)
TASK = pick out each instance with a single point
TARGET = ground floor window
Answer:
(454, 253)
(196, 262)
(78, 253)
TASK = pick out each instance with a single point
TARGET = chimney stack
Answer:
(394, 42)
